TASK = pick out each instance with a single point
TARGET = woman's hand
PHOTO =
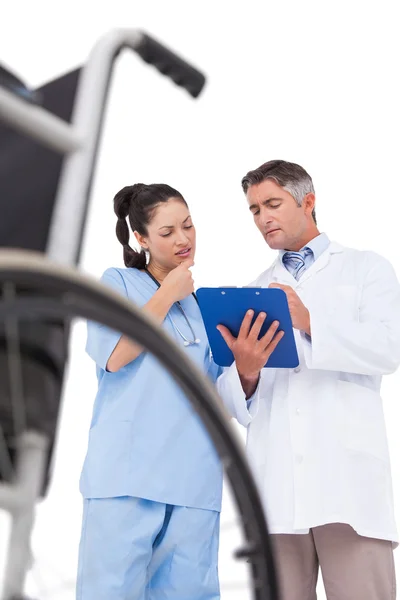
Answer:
(178, 284)
(251, 354)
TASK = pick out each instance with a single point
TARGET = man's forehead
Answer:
(263, 191)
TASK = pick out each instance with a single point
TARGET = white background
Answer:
(309, 81)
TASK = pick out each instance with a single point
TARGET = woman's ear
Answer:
(141, 240)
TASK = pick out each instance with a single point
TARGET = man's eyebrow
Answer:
(264, 202)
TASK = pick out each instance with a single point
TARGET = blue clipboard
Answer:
(228, 306)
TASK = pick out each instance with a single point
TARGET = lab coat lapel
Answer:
(321, 262)
(281, 275)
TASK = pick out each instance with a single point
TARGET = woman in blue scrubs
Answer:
(151, 480)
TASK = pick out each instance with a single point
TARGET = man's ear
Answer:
(309, 203)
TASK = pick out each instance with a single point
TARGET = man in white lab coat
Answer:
(316, 434)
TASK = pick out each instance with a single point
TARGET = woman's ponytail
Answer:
(122, 205)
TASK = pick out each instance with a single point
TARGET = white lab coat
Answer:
(316, 436)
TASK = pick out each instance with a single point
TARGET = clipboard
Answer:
(228, 306)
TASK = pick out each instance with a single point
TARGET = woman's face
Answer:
(171, 235)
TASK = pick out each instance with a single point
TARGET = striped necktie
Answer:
(295, 262)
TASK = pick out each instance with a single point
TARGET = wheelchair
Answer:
(49, 140)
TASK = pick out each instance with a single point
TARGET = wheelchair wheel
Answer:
(38, 302)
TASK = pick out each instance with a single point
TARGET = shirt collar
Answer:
(317, 245)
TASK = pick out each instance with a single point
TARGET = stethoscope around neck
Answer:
(186, 342)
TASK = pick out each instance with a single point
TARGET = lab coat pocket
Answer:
(361, 420)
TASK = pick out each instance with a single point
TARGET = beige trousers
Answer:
(352, 567)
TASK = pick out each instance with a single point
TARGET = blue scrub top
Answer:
(145, 439)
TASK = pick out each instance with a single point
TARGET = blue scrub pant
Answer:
(136, 549)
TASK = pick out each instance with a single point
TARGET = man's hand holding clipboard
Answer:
(299, 313)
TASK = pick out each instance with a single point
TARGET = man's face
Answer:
(283, 223)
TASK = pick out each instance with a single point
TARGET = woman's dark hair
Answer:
(138, 202)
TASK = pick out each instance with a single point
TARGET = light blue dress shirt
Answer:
(318, 245)
(145, 439)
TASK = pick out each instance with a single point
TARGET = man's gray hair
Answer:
(289, 176)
